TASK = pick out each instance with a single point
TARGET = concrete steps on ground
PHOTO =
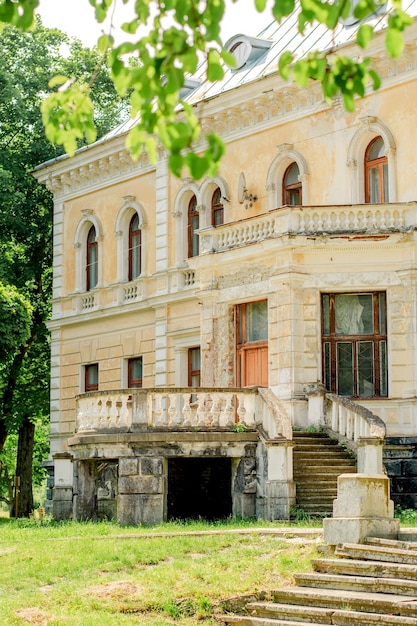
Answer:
(360, 587)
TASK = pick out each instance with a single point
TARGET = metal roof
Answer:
(284, 36)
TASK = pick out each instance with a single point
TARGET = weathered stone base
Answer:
(278, 500)
(362, 509)
(349, 530)
(62, 503)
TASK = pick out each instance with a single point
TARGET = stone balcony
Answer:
(359, 219)
(182, 409)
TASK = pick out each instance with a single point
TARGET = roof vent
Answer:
(350, 20)
(189, 85)
(246, 50)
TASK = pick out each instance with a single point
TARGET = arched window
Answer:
(193, 226)
(217, 209)
(92, 260)
(376, 172)
(291, 186)
(135, 248)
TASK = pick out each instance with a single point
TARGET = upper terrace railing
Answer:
(136, 410)
(362, 218)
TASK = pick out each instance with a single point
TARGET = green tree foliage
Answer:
(177, 34)
(29, 59)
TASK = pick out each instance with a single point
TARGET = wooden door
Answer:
(252, 344)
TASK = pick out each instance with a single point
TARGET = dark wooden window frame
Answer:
(375, 164)
(87, 385)
(91, 248)
(332, 339)
(133, 234)
(193, 372)
(193, 216)
(217, 208)
(287, 189)
(131, 380)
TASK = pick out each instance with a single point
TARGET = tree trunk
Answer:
(23, 504)
(3, 434)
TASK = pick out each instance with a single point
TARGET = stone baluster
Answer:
(174, 416)
(215, 409)
(228, 412)
(201, 410)
(124, 411)
(186, 410)
(158, 410)
(113, 415)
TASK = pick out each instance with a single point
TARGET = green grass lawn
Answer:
(99, 574)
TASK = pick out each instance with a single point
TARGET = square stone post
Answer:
(370, 454)
(62, 491)
(279, 486)
(85, 496)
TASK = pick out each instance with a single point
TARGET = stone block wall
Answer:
(400, 460)
(141, 490)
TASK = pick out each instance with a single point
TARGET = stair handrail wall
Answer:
(272, 415)
(359, 428)
(353, 425)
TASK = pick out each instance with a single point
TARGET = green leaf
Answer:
(260, 5)
(364, 35)
(394, 43)
(284, 63)
(214, 69)
(58, 80)
(282, 8)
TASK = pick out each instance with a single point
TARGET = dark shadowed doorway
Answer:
(199, 488)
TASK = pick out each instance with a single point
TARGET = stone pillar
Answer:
(85, 496)
(362, 509)
(63, 485)
(277, 485)
(316, 397)
(141, 491)
(370, 453)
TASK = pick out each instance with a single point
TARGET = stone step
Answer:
(311, 489)
(279, 613)
(324, 462)
(365, 568)
(358, 583)
(376, 553)
(392, 543)
(307, 442)
(262, 621)
(320, 451)
(393, 604)
(300, 434)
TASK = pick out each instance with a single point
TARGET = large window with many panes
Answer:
(354, 337)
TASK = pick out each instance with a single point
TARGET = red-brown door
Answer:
(252, 344)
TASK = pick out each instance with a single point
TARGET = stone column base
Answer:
(362, 509)
(356, 530)
(278, 500)
(62, 503)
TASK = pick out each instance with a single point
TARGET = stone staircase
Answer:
(318, 461)
(365, 585)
